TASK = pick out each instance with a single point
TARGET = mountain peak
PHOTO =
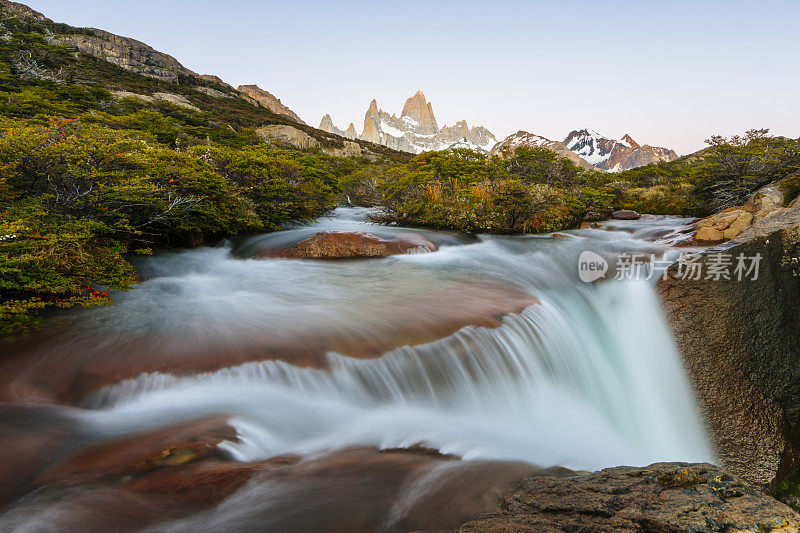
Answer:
(629, 140)
(421, 111)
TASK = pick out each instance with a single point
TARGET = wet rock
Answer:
(353, 490)
(133, 456)
(68, 369)
(589, 225)
(625, 214)
(663, 497)
(740, 344)
(31, 437)
(340, 244)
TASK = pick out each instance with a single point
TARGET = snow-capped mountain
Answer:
(614, 155)
(523, 138)
(416, 129)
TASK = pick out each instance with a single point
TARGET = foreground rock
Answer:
(340, 244)
(663, 497)
(740, 343)
(353, 490)
(731, 222)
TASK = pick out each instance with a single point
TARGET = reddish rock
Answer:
(132, 456)
(68, 370)
(30, 437)
(341, 244)
(625, 214)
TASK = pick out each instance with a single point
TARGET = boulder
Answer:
(625, 214)
(709, 235)
(738, 225)
(290, 135)
(663, 497)
(341, 244)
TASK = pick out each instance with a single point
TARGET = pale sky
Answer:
(669, 73)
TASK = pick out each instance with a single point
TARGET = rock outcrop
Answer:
(340, 244)
(269, 101)
(415, 130)
(129, 54)
(288, 135)
(22, 10)
(740, 343)
(733, 221)
(663, 497)
(174, 99)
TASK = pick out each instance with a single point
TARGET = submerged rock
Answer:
(663, 497)
(625, 214)
(341, 244)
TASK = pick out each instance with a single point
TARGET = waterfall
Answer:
(589, 377)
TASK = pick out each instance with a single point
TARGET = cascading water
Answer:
(490, 349)
(587, 377)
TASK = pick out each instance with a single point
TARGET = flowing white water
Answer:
(587, 378)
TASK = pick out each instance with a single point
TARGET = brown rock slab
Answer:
(132, 456)
(67, 370)
(663, 497)
(342, 244)
(708, 235)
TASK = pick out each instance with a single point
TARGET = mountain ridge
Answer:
(416, 130)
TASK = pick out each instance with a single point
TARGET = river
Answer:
(490, 349)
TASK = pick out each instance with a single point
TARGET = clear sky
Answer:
(670, 73)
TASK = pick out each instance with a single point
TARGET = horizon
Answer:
(691, 77)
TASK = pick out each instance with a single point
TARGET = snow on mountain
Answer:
(614, 155)
(526, 139)
(416, 129)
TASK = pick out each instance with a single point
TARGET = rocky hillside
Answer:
(132, 69)
(415, 130)
(615, 155)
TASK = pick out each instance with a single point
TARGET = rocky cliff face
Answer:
(129, 54)
(269, 101)
(614, 155)
(415, 130)
(740, 342)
